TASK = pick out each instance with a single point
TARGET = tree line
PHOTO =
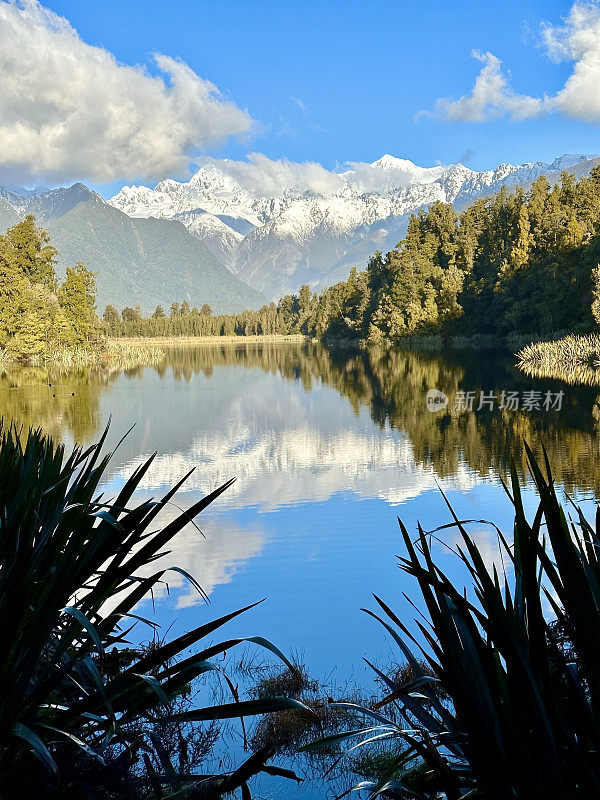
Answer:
(524, 262)
(37, 312)
(518, 261)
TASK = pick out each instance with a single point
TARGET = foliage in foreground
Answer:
(509, 706)
(81, 714)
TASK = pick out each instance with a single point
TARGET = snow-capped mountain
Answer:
(277, 225)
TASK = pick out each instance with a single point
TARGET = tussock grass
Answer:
(113, 354)
(573, 359)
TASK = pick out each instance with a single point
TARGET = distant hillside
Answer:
(138, 261)
(8, 216)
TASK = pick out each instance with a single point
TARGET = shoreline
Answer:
(174, 341)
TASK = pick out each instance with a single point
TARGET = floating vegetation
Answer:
(573, 359)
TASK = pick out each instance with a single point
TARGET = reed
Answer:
(118, 355)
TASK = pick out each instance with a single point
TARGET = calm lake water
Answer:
(328, 449)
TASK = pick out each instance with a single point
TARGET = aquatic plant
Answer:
(566, 351)
(118, 355)
(509, 706)
(75, 702)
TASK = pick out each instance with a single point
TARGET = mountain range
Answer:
(240, 233)
(142, 262)
(315, 229)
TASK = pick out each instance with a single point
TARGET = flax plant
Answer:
(508, 704)
(70, 566)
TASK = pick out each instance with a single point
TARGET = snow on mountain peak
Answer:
(278, 224)
(391, 162)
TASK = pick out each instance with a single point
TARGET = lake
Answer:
(328, 448)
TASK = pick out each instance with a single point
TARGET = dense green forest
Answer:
(515, 262)
(37, 313)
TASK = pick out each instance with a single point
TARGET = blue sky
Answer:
(342, 81)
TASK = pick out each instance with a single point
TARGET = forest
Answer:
(37, 313)
(517, 262)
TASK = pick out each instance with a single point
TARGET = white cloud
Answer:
(301, 105)
(389, 172)
(490, 97)
(576, 39)
(261, 176)
(71, 110)
(265, 177)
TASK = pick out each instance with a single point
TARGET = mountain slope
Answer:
(145, 261)
(142, 262)
(8, 215)
(306, 230)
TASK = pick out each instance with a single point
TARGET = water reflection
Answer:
(265, 411)
(322, 444)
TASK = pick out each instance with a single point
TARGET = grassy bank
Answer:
(176, 341)
(430, 342)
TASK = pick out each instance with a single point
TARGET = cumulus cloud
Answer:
(261, 176)
(71, 110)
(578, 40)
(265, 177)
(575, 39)
(490, 97)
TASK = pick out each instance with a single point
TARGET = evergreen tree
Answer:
(111, 316)
(77, 296)
(28, 249)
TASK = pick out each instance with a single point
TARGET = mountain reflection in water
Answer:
(276, 411)
(327, 447)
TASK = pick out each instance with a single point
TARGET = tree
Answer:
(131, 314)
(159, 313)
(27, 284)
(28, 249)
(206, 310)
(596, 294)
(77, 296)
(111, 316)
(175, 312)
